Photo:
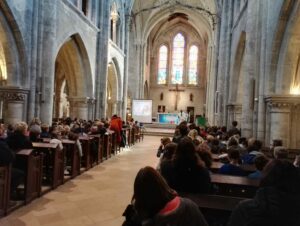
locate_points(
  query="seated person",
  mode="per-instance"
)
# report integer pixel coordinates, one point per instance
(277, 201)
(169, 150)
(34, 133)
(260, 162)
(18, 139)
(157, 204)
(55, 139)
(45, 131)
(280, 152)
(163, 142)
(254, 149)
(7, 157)
(186, 172)
(233, 167)
(204, 153)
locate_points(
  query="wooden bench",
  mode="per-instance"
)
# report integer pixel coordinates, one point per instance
(114, 142)
(107, 145)
(54, 162)
(249, 168)
(31, 162)
(72, 157)
(5, 174)
(97, 158)
(87, 142)
(215, 208)
(234, 185)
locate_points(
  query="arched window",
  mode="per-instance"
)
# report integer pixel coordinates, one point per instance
(193, 60)
(162, 65)
(178, 59)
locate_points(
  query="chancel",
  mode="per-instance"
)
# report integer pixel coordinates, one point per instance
(206, 92)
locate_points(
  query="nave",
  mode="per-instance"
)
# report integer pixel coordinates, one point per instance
(97, 197)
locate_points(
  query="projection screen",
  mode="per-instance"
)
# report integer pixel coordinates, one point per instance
(142, 110)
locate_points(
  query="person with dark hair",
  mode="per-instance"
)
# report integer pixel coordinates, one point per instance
(233, 167)
(277, 201)
(204, 153)
(183, 132)
(186, 172)
(254, 149)
(234, 130)
(260, 162)
(157, 204)
(163, 142)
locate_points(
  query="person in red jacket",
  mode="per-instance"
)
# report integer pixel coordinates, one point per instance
(116, 125)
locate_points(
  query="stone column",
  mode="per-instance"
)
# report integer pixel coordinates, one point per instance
(101, 59)
(91, 108)
(126, 62)
(250, 68)
(48, 60)
(15, 101)
(280, 108)
(114, 17)
(78, 107)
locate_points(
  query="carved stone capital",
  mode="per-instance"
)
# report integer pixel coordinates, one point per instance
(282, 103)
(13, 94)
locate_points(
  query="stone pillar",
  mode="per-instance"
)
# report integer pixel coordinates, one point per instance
(78, 107)
(126, 62)
(102, 60)
(114, 17)
(48, 60)
(280, 109)
(91, 108)
(250, 68)
(16, 101)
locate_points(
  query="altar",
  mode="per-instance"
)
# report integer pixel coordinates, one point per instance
(168, 118)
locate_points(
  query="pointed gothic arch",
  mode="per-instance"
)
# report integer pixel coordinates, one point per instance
(72, 67)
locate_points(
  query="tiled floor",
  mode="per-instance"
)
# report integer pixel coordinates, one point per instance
(96, 198)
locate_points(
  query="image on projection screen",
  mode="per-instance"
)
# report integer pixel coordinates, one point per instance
(142, 110)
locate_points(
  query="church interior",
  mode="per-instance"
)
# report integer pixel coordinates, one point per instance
(90, 90)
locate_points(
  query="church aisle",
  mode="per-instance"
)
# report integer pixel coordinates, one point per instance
(96, 198)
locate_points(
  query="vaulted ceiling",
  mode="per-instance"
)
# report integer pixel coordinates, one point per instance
(201, 14)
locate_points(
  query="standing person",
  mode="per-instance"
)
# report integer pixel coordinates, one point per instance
(234, 130)
(158, 205)
(116, 126)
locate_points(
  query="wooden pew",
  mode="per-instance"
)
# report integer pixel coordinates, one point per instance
(214, 202)
(129, 140)
(215, 167)
(5, 174)
(215, 208)
(86, 142)
(72, 156)
(100, 143)
(114, 143)
(107, 147)
(132, 136)
(53, 158)
(31, 162)
(235, 185)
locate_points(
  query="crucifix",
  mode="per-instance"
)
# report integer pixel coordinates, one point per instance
(177, 90)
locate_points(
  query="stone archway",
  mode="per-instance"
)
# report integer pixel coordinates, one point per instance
(112, 90)
(73, 80)
(283, 102)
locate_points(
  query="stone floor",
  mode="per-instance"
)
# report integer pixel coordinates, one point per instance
(96, 198)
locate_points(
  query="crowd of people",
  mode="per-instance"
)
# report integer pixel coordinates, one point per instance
(14, 138)
(184, 167)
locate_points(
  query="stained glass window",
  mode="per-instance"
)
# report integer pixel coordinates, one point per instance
(178, 59)
(162, 65)
(193, 58)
